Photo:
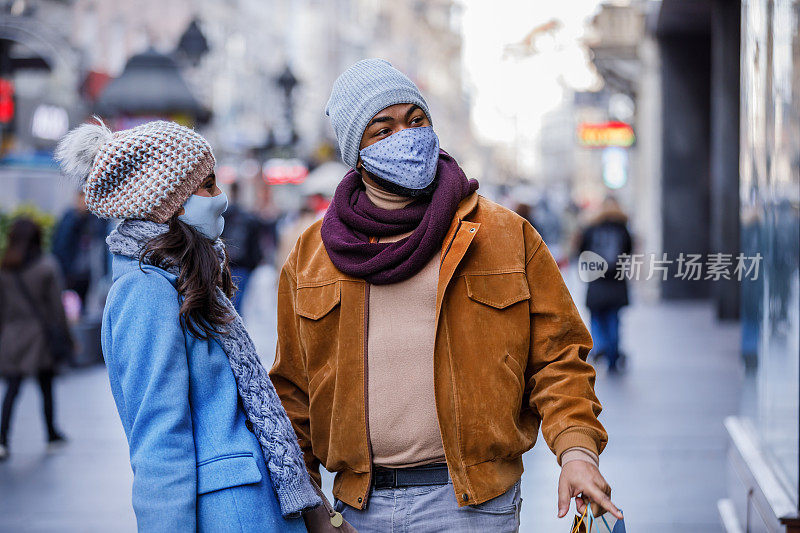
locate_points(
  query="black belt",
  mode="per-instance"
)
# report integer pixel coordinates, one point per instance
(390, 478)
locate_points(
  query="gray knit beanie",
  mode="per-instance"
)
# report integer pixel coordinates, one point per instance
(363, 90)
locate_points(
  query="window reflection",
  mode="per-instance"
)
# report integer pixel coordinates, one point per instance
(770, 214)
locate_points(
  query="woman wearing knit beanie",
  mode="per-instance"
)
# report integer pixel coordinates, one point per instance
(211, 447)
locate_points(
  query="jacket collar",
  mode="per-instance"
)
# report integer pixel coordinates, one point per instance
(121, 265)
(467, 206)
(455, 246)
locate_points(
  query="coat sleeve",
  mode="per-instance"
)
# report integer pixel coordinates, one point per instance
(62, 245)
(148, 361)
(289, 371)
(560, 381)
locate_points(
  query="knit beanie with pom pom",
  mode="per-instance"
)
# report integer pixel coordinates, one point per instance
(147, 172)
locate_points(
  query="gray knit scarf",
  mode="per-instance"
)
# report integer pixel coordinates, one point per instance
(261, 403)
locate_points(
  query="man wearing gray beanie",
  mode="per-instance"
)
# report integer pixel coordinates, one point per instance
(425, 334)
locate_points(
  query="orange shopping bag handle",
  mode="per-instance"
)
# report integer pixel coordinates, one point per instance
(590, 519)
(577, 527)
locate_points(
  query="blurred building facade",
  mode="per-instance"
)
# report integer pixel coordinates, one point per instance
(581, 147)
(263, 69)
(626, 55)
(678, 63)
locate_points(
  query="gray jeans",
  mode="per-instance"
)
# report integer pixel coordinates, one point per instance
(431, 509)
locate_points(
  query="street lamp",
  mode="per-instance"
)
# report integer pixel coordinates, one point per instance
(193, 44)
(287, 82)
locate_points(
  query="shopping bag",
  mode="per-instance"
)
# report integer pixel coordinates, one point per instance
(587, 523)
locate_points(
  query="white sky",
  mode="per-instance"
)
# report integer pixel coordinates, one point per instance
(510, 95)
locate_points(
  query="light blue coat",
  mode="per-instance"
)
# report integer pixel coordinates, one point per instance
(196, 465)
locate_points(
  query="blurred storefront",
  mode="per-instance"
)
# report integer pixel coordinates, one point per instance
(606, 128)
(763, 456)
(38, 75)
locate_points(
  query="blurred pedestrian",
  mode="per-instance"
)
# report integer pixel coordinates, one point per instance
(76, 237)
(548, 224)
(425, 333)
(751, 288)
(268, 215)
(32, 319)
(242, 241)
(523, 209)
(292, 230)
(203, 422)
(607, 236)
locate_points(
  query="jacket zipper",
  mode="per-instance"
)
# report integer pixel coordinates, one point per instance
(450, 243)
(366, 389)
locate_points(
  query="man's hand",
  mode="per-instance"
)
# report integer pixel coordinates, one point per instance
(583, 478)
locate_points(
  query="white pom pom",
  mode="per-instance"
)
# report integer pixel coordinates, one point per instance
(77, 149)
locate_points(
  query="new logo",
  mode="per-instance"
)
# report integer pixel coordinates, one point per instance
(591, 266)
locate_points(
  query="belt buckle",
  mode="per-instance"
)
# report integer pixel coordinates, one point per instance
(385, 478)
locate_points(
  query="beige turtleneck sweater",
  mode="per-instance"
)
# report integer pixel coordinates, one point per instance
(403, 425)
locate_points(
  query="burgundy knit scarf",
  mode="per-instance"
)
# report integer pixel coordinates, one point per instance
(352, 219)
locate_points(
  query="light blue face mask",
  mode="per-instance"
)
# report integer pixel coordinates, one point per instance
(204, 213)
(407, 158)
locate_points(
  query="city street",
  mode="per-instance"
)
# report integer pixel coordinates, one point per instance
(665, 459)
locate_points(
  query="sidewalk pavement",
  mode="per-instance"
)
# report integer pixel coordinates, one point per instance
(665, 459)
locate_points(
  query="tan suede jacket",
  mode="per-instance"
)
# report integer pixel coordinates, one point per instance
(510, 354)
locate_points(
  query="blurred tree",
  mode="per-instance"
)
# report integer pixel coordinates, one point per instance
(45, 220)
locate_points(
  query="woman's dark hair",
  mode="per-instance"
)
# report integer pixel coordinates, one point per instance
(24, 244)
(200, 275)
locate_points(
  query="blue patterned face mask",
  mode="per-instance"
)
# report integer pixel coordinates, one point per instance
(407, 158)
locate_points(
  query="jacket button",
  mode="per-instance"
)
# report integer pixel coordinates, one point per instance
(465, 497)
(249, 426)
(360, 500)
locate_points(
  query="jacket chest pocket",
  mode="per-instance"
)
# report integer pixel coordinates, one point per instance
(318, 308)
(496, 317)
(314, 303)
(498, 291)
